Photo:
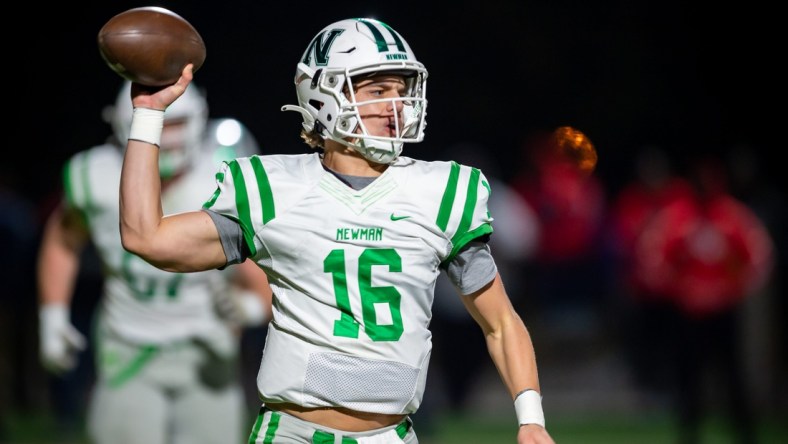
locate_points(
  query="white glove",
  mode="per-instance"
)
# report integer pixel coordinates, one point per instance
(242, 307)
(60, 342)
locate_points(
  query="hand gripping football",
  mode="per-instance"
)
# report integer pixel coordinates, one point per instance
(150, 45)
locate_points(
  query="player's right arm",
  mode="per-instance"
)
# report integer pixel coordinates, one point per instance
(182, 242)
(65, 236)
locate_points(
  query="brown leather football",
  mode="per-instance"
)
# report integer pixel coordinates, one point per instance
(150, 45)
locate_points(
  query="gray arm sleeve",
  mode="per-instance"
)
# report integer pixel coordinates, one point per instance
(231, 237)
(472, 268)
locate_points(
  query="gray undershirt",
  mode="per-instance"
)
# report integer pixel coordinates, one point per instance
(471, 269)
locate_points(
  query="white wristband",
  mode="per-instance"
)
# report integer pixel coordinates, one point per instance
(146, 125)
(528, 406)
(54, 314)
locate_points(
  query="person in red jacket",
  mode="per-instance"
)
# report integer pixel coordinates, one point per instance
(707, 252)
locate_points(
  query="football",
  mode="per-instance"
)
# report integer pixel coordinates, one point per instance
(150, 45)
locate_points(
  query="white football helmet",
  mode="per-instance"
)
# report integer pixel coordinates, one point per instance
(326, 97)
(179, 147)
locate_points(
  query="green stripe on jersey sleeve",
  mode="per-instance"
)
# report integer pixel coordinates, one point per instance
(462, 236)
(264, 187)
(254, 199)
(470, 201)
(448, 197)
(470, 205)
(242, 204)
(460, 241)
(212, 200)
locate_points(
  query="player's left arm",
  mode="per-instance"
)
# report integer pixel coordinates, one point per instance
(512, 352)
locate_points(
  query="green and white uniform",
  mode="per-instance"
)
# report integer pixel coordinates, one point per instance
(165, 359)
(352, 271)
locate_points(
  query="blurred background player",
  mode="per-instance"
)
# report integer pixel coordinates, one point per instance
(707, 252)
(166, 344)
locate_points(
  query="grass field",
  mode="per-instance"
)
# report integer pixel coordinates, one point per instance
(608, 430)
(462, 429)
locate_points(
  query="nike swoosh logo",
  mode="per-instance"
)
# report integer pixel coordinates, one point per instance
(395, 218)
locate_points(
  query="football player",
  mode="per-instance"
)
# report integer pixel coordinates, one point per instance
(352, 237)
(167, 344)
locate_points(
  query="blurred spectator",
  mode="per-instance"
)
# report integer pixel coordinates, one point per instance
(570, 205)
(644, 314)
(707, 252)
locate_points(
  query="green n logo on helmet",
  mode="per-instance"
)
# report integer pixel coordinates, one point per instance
(320, 47)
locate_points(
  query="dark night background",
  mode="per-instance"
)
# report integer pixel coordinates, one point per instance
(680, 75)
(677, 74)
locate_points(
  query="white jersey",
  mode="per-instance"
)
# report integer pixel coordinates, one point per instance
(352, 271)
(141, 303)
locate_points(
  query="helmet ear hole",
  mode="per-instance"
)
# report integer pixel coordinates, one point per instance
(316, 104)
(319, 127)
(316, 78)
